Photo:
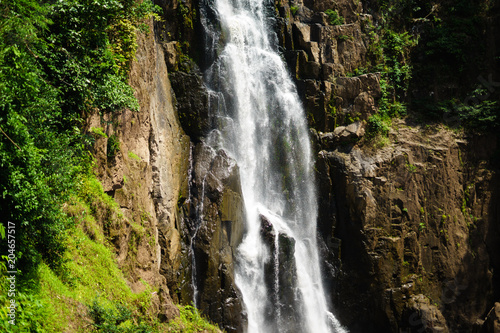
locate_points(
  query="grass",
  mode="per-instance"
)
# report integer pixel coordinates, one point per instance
(89, 292)
(134, 156)
(190, 321)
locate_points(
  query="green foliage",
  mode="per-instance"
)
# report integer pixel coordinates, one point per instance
(389, 53)
(116, 319)
(449, 40)
(188, 15)
(294, 10)
(113, 145)
(334, 17)
(378, 125)
(134, 156)
(402, 13)
(343, 38)
(479, 113)
(58, 60)
(332, 110)
(452, 51)
(30, 312)
(191, 322)
(99, 131)
(411, 168)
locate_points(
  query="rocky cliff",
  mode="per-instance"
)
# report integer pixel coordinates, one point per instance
(182, 198)
(409, 226)
(142, 162)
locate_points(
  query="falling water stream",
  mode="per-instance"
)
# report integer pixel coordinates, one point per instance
(263, 127)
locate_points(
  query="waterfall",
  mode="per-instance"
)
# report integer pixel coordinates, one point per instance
(263, 127)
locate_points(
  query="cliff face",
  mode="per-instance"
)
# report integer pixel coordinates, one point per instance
(418, 224)
(408, 231)
(143, 163)
(183, 197)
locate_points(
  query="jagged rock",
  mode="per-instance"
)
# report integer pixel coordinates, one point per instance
(215, 228)
(331, 71)
(171, 54)
(280, 284)
(351, 87)
(364, 105)
(356, 129)
(168, 311)
(426, 316)
(401, 224)
(302, 34)
(347, 133)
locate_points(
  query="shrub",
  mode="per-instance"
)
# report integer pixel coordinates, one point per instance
(334, 17)
(377, 125)
(479, 113)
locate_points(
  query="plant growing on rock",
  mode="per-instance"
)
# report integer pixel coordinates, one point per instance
(334, 17)
(378, 124)
(422, 226)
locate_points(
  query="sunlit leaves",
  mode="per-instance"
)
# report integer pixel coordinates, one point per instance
(58, 60)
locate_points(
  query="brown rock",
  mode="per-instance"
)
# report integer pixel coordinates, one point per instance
(426, 315)
(492, 322)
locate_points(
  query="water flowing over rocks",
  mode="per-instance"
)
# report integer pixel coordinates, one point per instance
(407, 235)
(280, 273)
(414, 218)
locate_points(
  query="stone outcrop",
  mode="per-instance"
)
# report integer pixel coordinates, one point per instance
(325, 60)
(415, 218)
(213, 224)
(280, 276)
(192, 103)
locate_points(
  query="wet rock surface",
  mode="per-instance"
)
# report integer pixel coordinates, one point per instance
(212, 220)
(280, 277)
(192, 101)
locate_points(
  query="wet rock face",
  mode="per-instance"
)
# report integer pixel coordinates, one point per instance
(281, 276)
(212, 220)
(192, 103)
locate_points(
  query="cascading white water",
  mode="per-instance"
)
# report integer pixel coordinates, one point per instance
(263, 128)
